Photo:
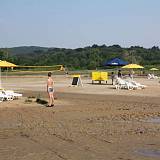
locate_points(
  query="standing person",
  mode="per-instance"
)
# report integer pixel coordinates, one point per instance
(119, 74)
(50, 90)
(112, 77)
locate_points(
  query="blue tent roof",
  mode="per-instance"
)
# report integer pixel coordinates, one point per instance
(115, 62)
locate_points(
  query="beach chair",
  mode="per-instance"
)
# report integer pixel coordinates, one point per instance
(149, 76)
(154, 77)
(136, 84)
(1, 96)
(5, 96)
(10, 94)
(139, 86)
(131, 85)
(124, 84)
(119, 83)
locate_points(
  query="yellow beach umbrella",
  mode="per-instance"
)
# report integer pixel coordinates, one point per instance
(132, 66)
(154, 69)
(5, 64)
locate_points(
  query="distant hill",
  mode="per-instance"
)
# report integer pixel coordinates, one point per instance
(89, 57)
(26, 50)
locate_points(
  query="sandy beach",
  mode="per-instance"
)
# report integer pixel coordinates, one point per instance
(93, 122)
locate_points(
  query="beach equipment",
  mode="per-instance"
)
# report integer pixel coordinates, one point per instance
(5, 64)
(115, 62)
(8, 95)
(128, 84)
(4, 96)
(154, 69)
(54, 67)
(76, 81)
(123, 84)
(1, 96)
(139, 85)
(152, 76)
(133, 66)
(99, 76)
(11, 93)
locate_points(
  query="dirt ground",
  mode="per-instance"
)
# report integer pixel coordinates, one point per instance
(93, 122)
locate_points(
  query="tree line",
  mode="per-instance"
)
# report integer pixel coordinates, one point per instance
(90, 57)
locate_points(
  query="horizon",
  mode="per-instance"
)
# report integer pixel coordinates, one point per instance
(78, 47)
(79, 24)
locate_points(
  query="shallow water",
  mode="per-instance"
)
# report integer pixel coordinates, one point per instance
(149, 153)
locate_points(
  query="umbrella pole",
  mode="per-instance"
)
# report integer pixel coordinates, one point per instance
(6, 73)
(132, 73)
(0, 79)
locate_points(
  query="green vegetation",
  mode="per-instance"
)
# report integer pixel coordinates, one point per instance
(91, 57)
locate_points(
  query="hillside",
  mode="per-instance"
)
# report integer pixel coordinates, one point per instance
(25, 50)
(89, 57)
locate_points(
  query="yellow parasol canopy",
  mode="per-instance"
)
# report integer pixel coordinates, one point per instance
(154, 69)
(132, 66)
(6, 64)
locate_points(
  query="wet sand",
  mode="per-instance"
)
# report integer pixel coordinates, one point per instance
(94, 122)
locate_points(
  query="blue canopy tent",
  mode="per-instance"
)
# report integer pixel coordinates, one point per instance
(115, 62)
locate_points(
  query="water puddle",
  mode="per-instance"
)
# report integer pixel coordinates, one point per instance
(149, 153)
(154, 120)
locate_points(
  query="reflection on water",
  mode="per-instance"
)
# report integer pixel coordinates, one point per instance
(149, 153)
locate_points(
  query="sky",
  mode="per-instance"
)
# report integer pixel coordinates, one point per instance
(79, 23)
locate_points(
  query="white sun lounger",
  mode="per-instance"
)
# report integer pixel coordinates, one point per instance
(140, 86)
(9, 94)
(152, 76)
(1, 96)
(4, 96)
(12, 94)
(123, 84)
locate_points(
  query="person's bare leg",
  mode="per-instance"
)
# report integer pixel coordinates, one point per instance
(52, 97)
(48, 98)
